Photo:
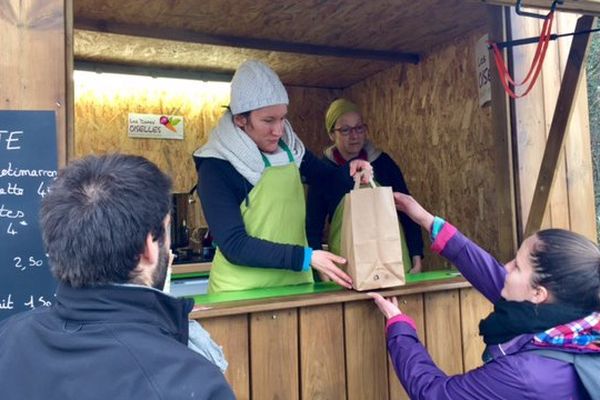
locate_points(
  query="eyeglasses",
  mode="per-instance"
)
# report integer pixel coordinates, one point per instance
(346, 130)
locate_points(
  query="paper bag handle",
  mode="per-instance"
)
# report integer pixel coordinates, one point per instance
(357, 178)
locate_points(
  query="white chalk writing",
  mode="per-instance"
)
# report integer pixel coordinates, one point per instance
(11, 214)
(12, 189)
(40, 302)
(7, 303)
(13, 136)
(31, 262)
(19, 172)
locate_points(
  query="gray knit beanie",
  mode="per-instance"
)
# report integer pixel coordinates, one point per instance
(255, 85)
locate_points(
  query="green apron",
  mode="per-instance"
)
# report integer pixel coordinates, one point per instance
(276, 212)
(335, 236)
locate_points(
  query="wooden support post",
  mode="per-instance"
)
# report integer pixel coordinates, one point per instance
(502, 134)
(34, 59)
(560, 122)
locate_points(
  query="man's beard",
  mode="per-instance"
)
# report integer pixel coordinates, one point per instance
(159, 276)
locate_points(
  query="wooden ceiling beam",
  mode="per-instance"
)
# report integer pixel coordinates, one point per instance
(191, 36)
(155, 72)
(588, 7)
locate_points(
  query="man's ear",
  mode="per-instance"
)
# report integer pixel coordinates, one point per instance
(150, 254)
(240, 121)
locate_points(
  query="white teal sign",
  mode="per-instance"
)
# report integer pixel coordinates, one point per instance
(155, 126)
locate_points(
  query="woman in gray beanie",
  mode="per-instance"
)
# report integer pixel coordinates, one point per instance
(250, 175)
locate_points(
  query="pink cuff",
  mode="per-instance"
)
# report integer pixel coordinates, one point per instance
(443, 237)
(400, 318)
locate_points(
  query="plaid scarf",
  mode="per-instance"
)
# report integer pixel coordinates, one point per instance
(582, 334)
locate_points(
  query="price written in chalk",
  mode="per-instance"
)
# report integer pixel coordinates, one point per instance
(21, 263)
(39, 302)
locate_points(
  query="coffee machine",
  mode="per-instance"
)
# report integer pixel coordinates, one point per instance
(180, 231)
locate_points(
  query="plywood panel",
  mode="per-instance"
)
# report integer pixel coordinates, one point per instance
(366, 365)
(412, 306)
(550, 80)
(274, 355)
(501, 131)
(473, 307)
(101, 115)
(33, 62)
(530, 120)
(428, 118)
(307, 115)
(323, 374)
(379, 24)
(571, 204)
(232, 333)
(102, 105)
(579, 179)
(443, 330)
(294, 69)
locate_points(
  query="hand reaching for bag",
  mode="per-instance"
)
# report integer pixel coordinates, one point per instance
(364, 168)
(325, 263)
(388, 308)
(409, 206)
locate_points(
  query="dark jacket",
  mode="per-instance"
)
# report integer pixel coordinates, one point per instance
(112, 342)
(516, 370)
(322, 202)
(222, 190)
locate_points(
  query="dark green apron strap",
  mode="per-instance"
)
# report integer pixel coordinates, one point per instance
(284, 147)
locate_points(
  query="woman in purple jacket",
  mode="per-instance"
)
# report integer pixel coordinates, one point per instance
(543, 337)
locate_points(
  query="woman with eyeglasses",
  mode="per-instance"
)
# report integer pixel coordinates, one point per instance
(348, 132)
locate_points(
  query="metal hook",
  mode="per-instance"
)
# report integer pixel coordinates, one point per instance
(528, 14)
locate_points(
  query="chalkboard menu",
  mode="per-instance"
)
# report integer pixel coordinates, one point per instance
(28, 164)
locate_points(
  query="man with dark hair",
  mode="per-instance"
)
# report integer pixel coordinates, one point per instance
(112, 333)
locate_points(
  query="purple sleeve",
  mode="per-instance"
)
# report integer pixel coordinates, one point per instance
(482, 270)
(422, 379)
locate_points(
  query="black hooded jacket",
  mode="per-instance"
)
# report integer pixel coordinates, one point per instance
(110, 342)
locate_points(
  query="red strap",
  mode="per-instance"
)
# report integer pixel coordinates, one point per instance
(536, 65)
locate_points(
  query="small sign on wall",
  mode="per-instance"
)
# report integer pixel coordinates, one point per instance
(155, 126)
(482, 63)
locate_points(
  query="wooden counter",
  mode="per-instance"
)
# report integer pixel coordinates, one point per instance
(332, 345)
(191, 267)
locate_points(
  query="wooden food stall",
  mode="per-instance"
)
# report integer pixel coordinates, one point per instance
(410, 66)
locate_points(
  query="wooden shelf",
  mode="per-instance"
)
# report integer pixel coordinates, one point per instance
(191, 267)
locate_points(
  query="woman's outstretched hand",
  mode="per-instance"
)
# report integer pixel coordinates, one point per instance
(388, 308)
(364, 168)
(409, 206)
(325, 262)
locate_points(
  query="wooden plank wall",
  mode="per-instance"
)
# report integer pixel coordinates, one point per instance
(338, 351)
(571, 203)
(428, 118)
(34, 59)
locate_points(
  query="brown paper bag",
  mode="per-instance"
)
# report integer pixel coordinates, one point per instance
(370, 238)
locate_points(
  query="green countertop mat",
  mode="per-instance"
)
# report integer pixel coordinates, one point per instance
(318, 287)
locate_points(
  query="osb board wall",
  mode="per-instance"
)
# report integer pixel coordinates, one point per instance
(428, 118)
(307, 115)
(293, 69)
(101, 116)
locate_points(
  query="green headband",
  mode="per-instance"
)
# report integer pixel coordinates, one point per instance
(336, 109)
